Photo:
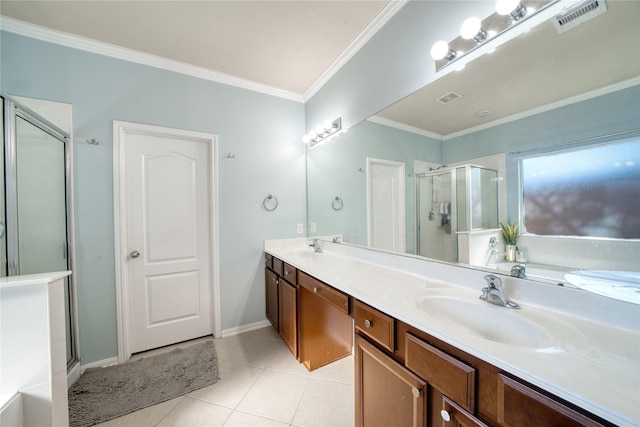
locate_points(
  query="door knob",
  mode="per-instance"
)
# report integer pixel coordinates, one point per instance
(134, 254)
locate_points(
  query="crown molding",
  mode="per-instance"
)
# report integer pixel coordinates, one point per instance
(361, 39)
(548, 107)
(106, 49)
(404, 127)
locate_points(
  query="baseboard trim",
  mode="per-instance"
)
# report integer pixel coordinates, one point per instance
(245, 328)
(73, 374)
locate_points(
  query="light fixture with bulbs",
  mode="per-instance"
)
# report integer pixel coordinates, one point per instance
(475, 32)
(322, 132)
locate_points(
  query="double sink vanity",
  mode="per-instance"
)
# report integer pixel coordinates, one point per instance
(429, 351)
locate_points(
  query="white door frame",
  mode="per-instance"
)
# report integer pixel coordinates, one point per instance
(400, 169)
(120, 130)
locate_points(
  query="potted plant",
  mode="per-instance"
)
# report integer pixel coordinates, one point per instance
(510, 234)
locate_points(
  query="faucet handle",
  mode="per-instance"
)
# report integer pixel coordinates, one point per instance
(493, 281)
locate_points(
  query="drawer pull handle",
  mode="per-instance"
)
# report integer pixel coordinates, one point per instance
(445, 416)
(416, 392)
(368, 324)
(315, 290)
(286, 273)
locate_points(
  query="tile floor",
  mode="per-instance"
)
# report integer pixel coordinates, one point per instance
(261, 384)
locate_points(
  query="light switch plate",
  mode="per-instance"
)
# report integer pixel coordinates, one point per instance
(300, 228)
(312, 228)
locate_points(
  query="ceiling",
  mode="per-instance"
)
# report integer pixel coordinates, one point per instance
(536, 69)
(282, 44)
(288, 45)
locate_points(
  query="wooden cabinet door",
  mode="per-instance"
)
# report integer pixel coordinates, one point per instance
(288, 316)
(455, 416)
(519, 406)
(325, 332)
(387, 394)
(272, 297)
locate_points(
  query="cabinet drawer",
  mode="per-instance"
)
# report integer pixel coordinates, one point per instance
(453, 378)
(519, 405)
(278, 266)
(329, 294)
(289, 273)
(268, 260)
(374, 324)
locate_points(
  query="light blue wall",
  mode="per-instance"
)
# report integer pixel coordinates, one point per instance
(262, 131)
(394, 63)
(338, 168)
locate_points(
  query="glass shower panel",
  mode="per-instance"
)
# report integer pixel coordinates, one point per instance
(42, 211)
(435, 237)
(485, 198)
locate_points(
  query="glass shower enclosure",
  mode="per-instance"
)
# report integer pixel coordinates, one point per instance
(453, 200)
(35, 217)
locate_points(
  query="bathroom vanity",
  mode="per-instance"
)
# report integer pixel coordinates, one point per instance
(428, 351)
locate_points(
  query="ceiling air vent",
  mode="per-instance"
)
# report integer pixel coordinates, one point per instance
(449, 97)
(578, 14)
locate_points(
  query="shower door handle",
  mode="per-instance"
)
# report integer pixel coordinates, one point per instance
(134, 254)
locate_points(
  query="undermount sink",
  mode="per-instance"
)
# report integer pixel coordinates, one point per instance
(521, 328)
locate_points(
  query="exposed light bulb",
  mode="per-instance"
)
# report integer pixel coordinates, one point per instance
(306, 139)
(312, 134)
(439, 50)
(319, 130)
(511, 7)
(505, 7)
(327, 124)
(470, 28)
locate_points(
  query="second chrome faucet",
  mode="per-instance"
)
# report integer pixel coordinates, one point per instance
(494, 293)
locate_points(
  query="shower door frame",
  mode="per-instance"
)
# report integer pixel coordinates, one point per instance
(12, 111)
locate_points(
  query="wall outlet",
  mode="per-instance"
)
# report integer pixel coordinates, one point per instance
(312, 228)
(300, 228)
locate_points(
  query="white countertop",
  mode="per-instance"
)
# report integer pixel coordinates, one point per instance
(32, 279)
(597, 369)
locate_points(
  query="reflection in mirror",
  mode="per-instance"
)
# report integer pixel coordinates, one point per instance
(541, 92)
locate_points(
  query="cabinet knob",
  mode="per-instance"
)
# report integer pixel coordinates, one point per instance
(315, 290)
(368, 324)
(416, 392)
(286, 273)
(445, 416)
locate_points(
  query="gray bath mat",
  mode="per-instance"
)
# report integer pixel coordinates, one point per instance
(102, 394)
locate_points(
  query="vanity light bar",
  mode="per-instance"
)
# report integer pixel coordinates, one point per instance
(475, 32)
(323, 131)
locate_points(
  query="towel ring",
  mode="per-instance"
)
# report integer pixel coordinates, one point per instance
(267, 199)
(337, 204)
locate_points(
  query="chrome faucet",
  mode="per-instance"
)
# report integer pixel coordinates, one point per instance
(494, 293)
(518, 271)
(316, 246)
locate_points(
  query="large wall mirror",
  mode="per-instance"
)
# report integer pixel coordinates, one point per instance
(451, 153)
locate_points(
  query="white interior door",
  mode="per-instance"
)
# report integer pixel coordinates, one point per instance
(167, 246)
(386, 204)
